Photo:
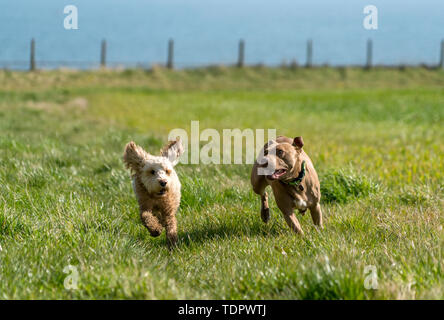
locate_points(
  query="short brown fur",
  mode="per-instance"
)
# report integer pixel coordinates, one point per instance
(286, 155)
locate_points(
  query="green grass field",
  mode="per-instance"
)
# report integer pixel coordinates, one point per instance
(376, 138)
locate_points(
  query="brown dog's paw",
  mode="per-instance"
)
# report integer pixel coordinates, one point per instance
(265, 215)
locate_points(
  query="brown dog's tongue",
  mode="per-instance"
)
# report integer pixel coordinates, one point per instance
(278, 173)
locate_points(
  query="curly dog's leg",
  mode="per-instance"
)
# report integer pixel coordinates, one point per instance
(171, 230)
(151, 223)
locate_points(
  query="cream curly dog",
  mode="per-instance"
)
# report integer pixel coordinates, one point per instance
(156, 186)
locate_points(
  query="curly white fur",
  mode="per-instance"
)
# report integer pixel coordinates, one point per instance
(157, 186)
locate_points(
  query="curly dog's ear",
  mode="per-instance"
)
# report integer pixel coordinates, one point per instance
(134, 156)
(173, 150)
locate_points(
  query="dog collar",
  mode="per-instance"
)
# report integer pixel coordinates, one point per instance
(297, 181)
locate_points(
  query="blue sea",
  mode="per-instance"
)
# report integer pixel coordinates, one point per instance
(208, 31)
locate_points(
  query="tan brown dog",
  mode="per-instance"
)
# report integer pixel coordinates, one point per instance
(293, 179)
(156, 186)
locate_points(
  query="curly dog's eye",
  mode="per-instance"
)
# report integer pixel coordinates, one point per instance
(279, 153)
(153, 172)
(168, 172)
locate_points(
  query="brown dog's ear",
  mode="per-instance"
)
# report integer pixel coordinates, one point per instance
(298, 142)
(173, 150)
(134, 156)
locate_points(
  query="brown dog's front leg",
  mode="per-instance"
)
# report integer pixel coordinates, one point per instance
(286, 205)
(151, 223)
(265, 210)
(316, 215)
(293, 223)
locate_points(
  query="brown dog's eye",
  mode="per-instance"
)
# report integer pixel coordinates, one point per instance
(153, 172)
(279, 153)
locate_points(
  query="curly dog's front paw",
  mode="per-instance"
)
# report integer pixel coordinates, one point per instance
(155, 233)
(151, 223)
(172, 240)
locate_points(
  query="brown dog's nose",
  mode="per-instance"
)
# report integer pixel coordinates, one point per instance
(163, 183)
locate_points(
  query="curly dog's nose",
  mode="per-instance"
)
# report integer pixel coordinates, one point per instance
(163, 183)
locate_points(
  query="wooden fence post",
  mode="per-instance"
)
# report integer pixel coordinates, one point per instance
(441, 63)
(369, 63)
(170, 61)
(103, 54)
(32, 62)
(241, 54)
(309, 53)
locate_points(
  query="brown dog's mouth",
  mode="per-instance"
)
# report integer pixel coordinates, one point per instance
(161, 192)
(277, 174)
